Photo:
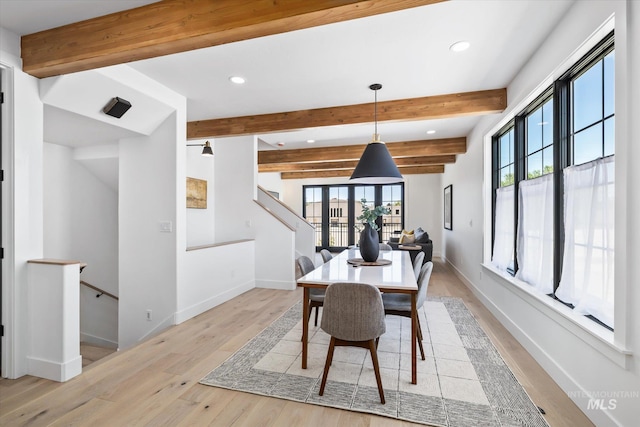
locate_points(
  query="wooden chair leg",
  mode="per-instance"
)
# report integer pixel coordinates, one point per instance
(420, 340)
(332, 344)
(376, 368)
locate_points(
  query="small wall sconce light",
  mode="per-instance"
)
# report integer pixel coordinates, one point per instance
(206, 151)
(116, 107)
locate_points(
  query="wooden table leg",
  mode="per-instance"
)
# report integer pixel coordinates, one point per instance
(305, 325)
(414, 337)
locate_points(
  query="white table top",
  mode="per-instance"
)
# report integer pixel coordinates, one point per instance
(397, 276)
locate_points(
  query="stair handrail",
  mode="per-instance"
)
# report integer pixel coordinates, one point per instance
(97, 289)
(284, 205)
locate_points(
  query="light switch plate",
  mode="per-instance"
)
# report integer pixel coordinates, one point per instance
(166, 226)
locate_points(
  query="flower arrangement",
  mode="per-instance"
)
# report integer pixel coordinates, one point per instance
(369, 216)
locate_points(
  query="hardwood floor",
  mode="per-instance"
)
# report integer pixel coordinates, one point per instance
(91, 353)
(156, 382)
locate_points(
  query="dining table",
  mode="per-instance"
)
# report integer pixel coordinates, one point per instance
(391, 273)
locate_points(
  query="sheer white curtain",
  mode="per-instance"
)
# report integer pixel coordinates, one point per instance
(535, 233)
(504, 228)
(587, 279)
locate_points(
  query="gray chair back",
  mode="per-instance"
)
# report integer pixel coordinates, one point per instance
(417, 263)
(385, 247)
(353, 312)
(305, 265)
(326, 255)
(423, 283)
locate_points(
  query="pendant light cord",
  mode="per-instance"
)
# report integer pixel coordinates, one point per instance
(375, 110)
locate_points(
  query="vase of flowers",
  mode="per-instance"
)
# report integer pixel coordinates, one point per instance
(369, 242)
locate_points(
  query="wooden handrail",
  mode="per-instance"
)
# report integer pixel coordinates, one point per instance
(287, 207)
(95, 288)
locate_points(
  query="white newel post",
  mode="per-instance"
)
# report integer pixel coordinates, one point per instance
(54, 319)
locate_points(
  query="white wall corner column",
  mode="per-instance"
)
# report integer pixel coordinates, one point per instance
(54, 319)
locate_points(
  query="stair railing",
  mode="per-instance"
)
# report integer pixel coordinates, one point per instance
(97, 289)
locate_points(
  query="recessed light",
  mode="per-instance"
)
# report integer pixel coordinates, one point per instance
(459, 46)
(431, 132)
(237, 80)
(311, 141)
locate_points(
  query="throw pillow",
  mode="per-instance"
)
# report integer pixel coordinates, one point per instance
(407, 237)
(421, 235)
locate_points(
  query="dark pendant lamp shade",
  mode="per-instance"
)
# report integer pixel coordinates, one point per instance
(376, 166)
(206, 150)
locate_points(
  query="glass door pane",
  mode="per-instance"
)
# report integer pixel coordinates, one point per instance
(392, 198)
(313, 210)
(338, 217)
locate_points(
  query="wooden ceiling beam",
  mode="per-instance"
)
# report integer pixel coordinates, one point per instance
(173, 26)
(431, 147)
(351, 164)
(425, 108)
(408, 170)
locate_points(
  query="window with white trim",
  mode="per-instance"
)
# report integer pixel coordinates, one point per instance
(553, 189)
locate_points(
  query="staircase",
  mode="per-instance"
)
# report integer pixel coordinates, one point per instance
(92, 353)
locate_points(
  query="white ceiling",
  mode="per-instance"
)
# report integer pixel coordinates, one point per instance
(407, 52)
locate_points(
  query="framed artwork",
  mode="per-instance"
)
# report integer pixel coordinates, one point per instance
(448, 201)
(196, 193)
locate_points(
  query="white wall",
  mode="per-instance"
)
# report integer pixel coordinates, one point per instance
(81, 223)
(201, 222)
(148, 263)
(423, 199)
(214, 275)
(271, 181)
(305, 233)
(581, 358)
(22, 216)
(235, 185)
(238, 216)
(275, 251)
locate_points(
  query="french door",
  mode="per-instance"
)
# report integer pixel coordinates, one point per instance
(333, 210)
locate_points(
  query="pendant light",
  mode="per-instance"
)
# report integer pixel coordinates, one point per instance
(376, 166)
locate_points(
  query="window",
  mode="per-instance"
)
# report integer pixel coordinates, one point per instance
(539, 140)
(333, 209)
(553, 185)
(504, 200)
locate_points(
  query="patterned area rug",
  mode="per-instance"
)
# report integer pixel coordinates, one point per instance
(462, 382)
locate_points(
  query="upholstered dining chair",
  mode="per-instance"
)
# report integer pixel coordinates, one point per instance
(385, 247)
(316, 296)
(417, 264)
(326, 255)
(400, 304)
(353, 315)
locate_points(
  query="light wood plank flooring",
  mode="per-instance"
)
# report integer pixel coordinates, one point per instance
(156, 382)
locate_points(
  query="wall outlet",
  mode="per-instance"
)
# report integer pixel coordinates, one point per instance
(149, 316)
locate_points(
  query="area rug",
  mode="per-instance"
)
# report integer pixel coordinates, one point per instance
(463, 381)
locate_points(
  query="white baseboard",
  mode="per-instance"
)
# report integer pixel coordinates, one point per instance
(555, 371)
(97, 341)
(55, 371)
(211, 302)
(276, 284)
(164, 324)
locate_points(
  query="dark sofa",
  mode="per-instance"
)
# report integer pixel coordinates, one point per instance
(421, 239)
